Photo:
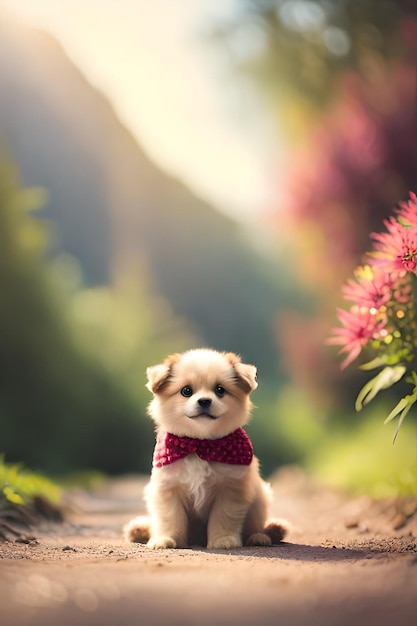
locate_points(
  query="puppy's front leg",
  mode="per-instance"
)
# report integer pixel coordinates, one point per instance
(169, 520)
(224, 530)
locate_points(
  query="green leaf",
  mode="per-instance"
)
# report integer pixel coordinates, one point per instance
(402, 417)
(403, 407)
(377, 362)
(397, 409)
(12, 496)
(385, 379)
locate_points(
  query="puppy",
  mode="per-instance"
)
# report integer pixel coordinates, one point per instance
(205, 488)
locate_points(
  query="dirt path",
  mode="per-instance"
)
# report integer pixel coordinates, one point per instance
(344, 562)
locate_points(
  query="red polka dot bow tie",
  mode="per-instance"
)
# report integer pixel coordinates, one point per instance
(235, 449)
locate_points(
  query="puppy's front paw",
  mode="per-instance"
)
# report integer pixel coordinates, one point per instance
(225, 543)
(161, 543)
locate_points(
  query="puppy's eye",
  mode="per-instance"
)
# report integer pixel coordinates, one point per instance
(187, 391)
(219, 391)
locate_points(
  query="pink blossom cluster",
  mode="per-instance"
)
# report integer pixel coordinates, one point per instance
(381, 291)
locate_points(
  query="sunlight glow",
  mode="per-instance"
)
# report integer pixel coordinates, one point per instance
(147, 58)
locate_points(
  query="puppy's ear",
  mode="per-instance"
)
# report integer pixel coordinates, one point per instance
(245, 373)
(158, 375)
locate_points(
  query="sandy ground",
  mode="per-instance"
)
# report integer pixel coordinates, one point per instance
(345, 561)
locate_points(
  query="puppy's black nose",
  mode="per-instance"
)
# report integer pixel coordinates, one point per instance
(204, 403)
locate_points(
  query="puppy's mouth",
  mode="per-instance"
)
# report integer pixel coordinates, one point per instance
(203, 414)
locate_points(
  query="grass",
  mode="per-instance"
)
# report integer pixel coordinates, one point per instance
(18, 486)
(363, 459)
(354, 452)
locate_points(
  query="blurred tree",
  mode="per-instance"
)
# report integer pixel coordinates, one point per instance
(296, 51)
(339, 80)
(72, 392)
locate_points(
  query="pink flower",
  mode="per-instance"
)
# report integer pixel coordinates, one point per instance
(372, 287)
(396, 250)
(359, 326)
(407, 212)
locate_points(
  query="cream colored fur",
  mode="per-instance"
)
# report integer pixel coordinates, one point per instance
(192, 501)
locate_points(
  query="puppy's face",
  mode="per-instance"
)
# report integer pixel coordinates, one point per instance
(201, 393)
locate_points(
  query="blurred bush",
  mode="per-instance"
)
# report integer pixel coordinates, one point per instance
(338, 81)
(72, 361)
(18, 485)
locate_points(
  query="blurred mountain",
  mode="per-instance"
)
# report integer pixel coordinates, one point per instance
(113, 209)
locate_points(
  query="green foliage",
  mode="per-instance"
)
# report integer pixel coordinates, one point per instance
(301, 49)
(18, 485)
(362, 459)
(72, 364)
(127, 330)
(347, 451)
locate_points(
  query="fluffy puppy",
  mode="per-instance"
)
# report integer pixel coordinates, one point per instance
(205, 488)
